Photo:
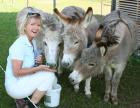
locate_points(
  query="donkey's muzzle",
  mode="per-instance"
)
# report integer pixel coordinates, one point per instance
(71, 81)
(53, 66)
(65, 64)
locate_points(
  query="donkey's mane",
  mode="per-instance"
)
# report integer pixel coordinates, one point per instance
(110, 21)
(73, 31)
(51, 22)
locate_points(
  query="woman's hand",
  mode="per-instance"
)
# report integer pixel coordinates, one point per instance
(39, 59)
(46, 68)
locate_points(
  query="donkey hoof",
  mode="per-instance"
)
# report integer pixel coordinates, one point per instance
(88, 96)
(114, 100)
(60, 73)
(76, 90)
(106, 98)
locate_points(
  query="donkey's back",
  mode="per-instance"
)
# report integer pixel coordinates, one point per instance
(73, 12)
(120, 26)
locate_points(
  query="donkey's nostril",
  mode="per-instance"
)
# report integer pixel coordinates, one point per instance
(71, 81)
(54, 65)
(65, 64)
(51, 65)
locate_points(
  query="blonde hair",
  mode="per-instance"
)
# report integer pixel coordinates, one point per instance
(22, 18)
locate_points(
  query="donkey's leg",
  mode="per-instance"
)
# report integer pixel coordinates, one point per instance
(115, 82)
(59, 68)
(108, 77)
(87, 87)
(76, 87)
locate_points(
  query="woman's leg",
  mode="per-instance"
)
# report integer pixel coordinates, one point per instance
(37, 95)
(40, 92)
(35, 84)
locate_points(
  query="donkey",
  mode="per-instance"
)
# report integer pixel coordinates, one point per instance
(72, 12)
(52, 39)
(115, 41)
(77, 35)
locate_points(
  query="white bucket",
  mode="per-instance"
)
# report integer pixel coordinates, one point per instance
(52, 98)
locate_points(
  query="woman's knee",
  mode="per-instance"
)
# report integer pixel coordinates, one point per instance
(49, 77)
(52, 77)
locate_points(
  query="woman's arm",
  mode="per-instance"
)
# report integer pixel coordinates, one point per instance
(19, 71)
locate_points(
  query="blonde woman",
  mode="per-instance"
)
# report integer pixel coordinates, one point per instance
(22, 78)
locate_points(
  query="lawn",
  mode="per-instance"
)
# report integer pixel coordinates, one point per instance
(129, 88)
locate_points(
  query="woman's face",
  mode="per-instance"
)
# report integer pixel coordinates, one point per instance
(32, 27)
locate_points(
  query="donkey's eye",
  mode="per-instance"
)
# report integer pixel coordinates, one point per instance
(76, 42)
(92, 64)
(45, 43)
(59, 44)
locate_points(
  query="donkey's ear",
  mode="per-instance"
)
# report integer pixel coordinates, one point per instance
(103, 51)
(88, 17)
(60, 17)
(99, 33)
(103, 48)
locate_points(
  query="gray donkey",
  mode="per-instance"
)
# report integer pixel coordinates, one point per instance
(115, 41)
(78, 34)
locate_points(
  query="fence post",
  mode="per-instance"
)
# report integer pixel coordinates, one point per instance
(54, 4)
(113, 5)
(101, 7)
(27, 3)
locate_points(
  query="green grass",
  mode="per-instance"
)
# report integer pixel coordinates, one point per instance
(128, 92)
(7, 35)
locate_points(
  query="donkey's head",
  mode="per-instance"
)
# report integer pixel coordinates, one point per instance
(74, 35)
(52, 38)
(88, 64)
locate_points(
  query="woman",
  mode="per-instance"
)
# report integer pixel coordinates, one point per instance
(22, 78)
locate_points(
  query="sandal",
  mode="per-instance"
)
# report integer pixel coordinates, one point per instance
(30, 104)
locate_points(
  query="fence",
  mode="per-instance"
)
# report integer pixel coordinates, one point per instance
(132, 8)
